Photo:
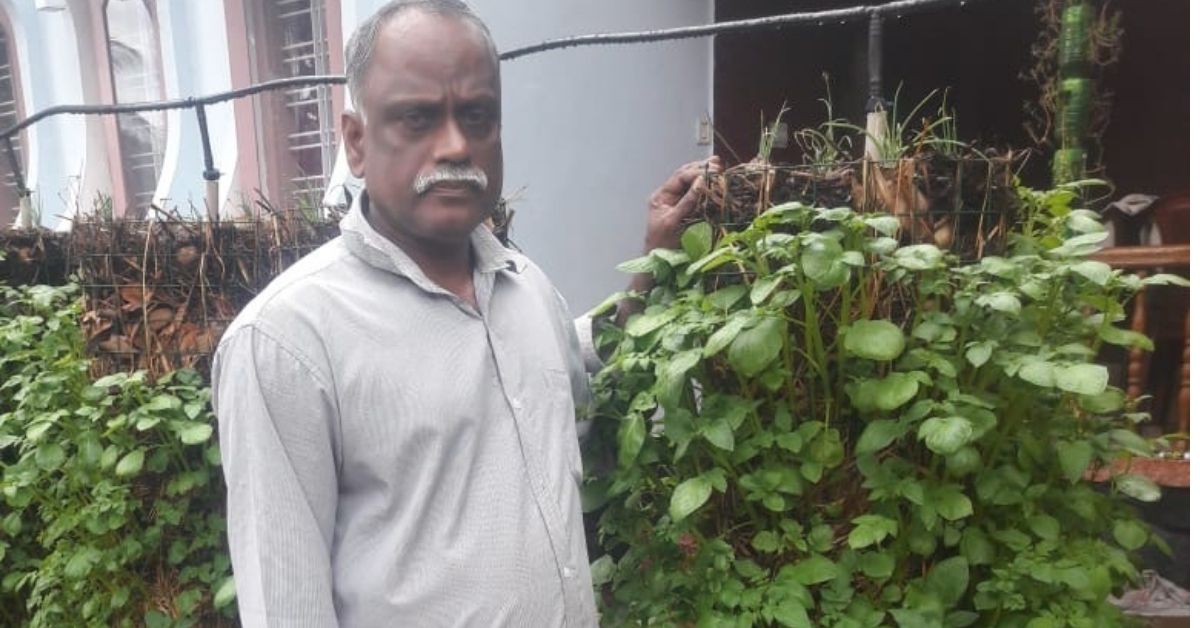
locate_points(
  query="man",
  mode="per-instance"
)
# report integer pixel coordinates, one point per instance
(397, 409)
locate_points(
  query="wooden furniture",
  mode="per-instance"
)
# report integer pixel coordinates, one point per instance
(1142, 260)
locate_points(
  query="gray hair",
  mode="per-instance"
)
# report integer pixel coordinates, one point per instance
(362, 42)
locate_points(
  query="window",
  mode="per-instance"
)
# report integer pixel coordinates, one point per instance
(136, 72)
(296, 136)
(10, 112)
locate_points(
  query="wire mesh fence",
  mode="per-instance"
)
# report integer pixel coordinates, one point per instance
(159, 294)
(965, 205)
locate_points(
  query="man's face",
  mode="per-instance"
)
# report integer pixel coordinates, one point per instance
(431, 99)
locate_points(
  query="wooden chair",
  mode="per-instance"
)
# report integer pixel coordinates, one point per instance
(1170, 215)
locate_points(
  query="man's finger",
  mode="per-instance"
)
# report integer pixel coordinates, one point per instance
(689, 200)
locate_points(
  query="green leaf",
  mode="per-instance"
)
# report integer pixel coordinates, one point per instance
(1006, 302)
(853, 258)
(1084, 379)
(725, 335)
(90, 449)
(671, 256)
(1107, 402)
(877, 340)
(949, 579)
(757, 347)
(644, 323)
(147, 422)
(961, 619)
(673, 375)
(964, 461)
(766, 541)
(162, 402)
(763, 286)
(822, 262)
(81, 562)
(1096, 272)
(945, 435)
(156, 619)
(881, 246)
(1131, 442)
(225, 593)
(918, 256)
(885, 394)
(697, 240)
(1074, 457)
(193, 409)
(194, 433)
(600, 310)
(1081, 245)
(1130, 534)
(871, 530)
(1038, 372)
(812, 570)
(630, 436)
(887, 225)
(715, 259)
(689, 496)
(978, 353)
(792, 614)
(878, 565)
(38, 429)
(1139, 488)
(1125, 338)
(1045, 526)
(877, 435)
(50, 456)
(131, 463)
(1084, 221)
(976, 547)
(1166, 279)
(727, 297)
(719, 434)
(950, 503)
(643, 264)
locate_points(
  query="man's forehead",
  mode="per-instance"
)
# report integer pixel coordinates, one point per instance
(414, 31)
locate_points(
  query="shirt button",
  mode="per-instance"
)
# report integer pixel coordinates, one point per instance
(516, 403)
(568, 572)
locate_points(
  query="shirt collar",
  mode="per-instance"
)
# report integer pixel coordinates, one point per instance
(373, 248)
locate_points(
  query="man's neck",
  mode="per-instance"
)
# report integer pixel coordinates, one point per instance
(447, 264)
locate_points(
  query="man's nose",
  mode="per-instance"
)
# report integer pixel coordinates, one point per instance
(451, 143)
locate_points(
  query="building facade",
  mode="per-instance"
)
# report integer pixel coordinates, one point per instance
(588, 132)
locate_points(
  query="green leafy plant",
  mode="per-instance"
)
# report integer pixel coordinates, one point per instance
(813, 425)
(111, 512)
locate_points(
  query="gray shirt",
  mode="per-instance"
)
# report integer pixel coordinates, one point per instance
(395, 457)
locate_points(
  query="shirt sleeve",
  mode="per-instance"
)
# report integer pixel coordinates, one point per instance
(278, 427)
(587, 346)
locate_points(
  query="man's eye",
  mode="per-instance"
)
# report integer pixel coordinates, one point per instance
(416, 119)
(476, 116)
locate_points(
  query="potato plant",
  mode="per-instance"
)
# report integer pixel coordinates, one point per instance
(110, 490)
(815, 425)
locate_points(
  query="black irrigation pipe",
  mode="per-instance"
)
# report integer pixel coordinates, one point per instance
(198, 103)
(895, 8)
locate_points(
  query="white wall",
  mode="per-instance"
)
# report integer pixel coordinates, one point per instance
(590, 132)
(195, 63)
(50, 75)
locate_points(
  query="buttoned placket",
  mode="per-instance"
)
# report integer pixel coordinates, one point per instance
(511, 383)
(509, 374)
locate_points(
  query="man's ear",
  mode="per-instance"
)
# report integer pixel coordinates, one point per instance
(355, 137)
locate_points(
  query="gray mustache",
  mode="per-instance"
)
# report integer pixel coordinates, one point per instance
(468, 175)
